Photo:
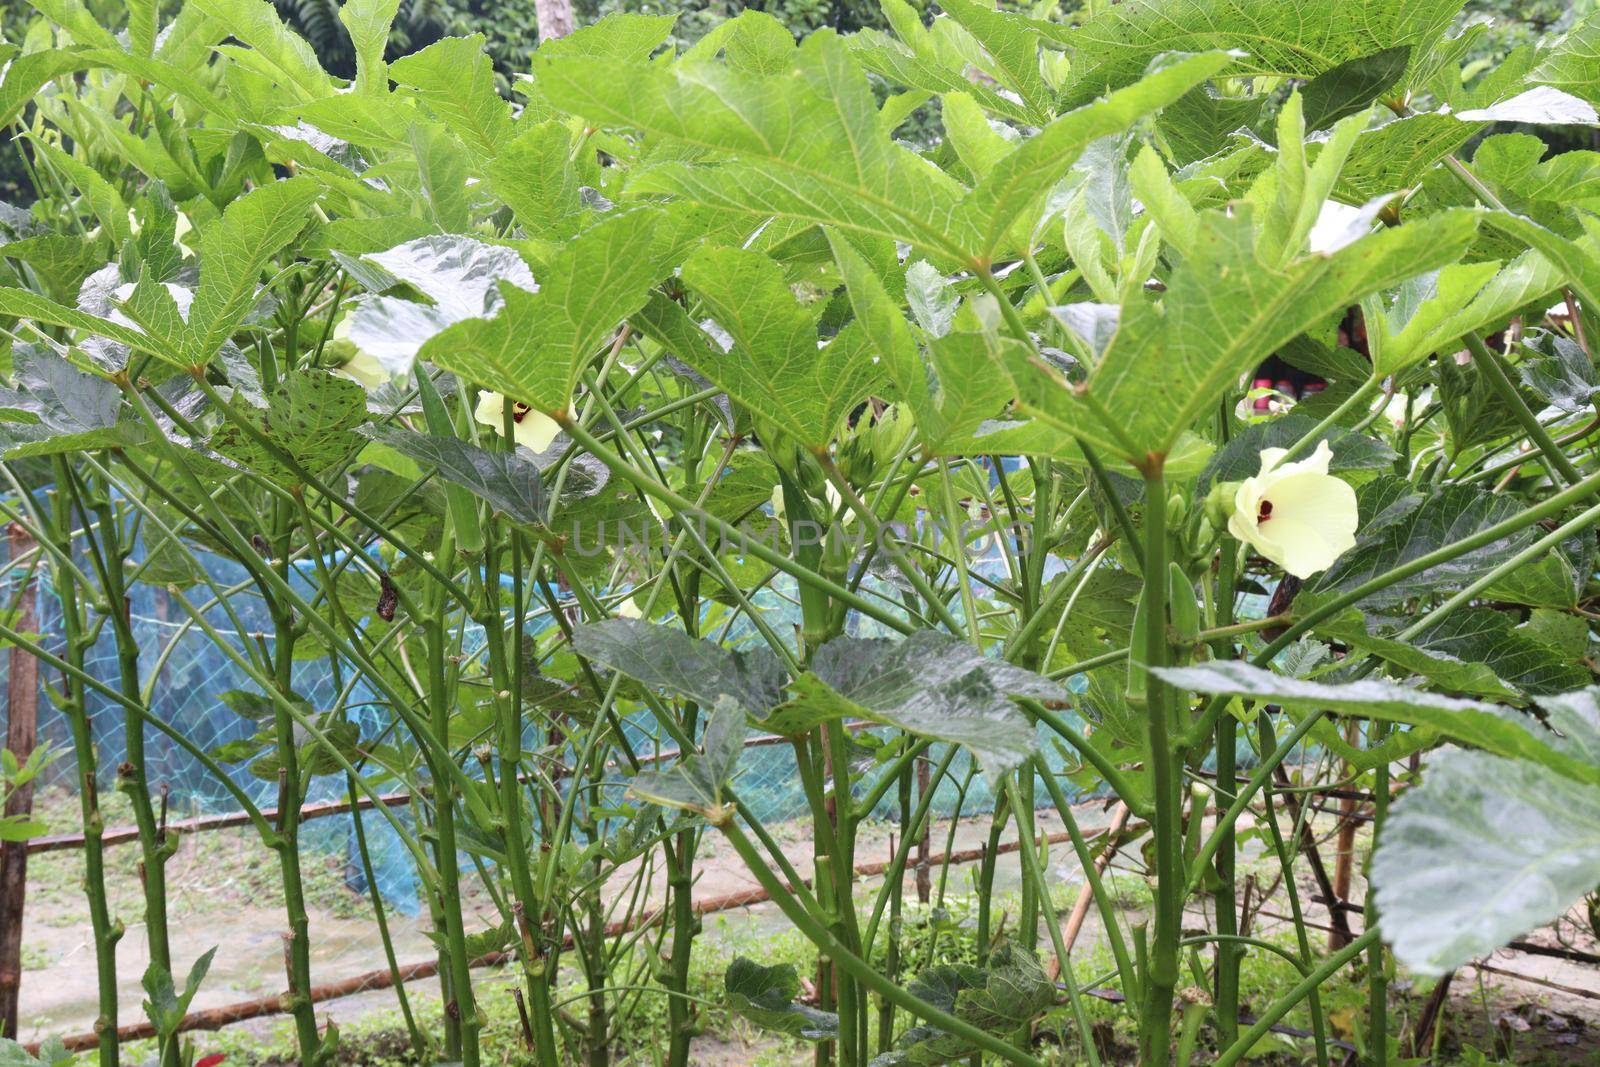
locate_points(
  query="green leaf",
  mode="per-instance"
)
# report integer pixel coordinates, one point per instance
(1441, 518)
(64, 399)
(775, 366)
(1000, 998)
(442, 167)
(807, 142)
(1484, 850)
(100, 195)
(535, 177)
(931, 685)
(1576, 260)
(665, 657)
(1572, 62)
(309, 418)
(1298, 41)
(368, 22)
(766, 997)
(1559, 371)
(275, 51)
(52, 1053)
(1352, 85)
(1400, 152)
(1482, 635)
(1224, 311)
(509, 481)
(1502, 731)
(1445, 670)
(535, 346)
(694, 783)
(1016, 187)
(622, 35)
(1431, 313)
(235, 250)
(1012, 43)
(454, 78)
(1202, 122)
(25, 304)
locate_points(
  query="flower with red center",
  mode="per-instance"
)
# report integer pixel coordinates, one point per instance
(1296, 514)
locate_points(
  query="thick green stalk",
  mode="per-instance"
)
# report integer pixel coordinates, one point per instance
(1377, 976)
(110, 553)
(461, 1013)
(290, 796)
(419, 1044)
(106, 931)
(1229, 954)
(537, 969)
(1033, 873)
(1104, 901)
(1155, 1024)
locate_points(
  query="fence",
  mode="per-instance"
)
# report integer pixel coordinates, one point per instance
(222, 881)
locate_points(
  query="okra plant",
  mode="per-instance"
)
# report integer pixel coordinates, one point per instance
(684, 398)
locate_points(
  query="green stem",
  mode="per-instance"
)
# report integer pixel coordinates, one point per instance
(1226, 907)
(687, 511)
(1155, 1025)
(1492, 367)
(106, 931)
(1269, 1018)
(859, 968)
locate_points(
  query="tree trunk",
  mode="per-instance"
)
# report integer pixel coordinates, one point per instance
(555, 18)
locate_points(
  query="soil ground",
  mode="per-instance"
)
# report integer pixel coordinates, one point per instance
(223, 892)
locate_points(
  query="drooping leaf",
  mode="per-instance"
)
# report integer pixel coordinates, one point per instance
(1447, 671)
(695, 781)
(1493, 728)
(1558, 370)
(307, 426)
(509, 481)
(767, 997)
(1483, 635)
(1352, 85)
(929, 684)
(1485, 849)
(666, 657)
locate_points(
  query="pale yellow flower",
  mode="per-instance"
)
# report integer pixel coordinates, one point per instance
(532, 429)
(362, 367)
(1296, 514)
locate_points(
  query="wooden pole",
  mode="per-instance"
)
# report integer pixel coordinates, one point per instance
(1080, 910)
(22, 733)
